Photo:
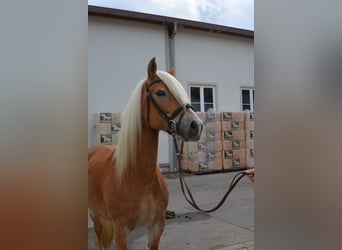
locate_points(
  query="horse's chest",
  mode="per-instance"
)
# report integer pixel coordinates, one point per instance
(145, 212)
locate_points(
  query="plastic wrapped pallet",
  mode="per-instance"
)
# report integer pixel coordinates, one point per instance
(250, 135)
(107, 128)
(206, 154)
(234, 154)
(227, 142)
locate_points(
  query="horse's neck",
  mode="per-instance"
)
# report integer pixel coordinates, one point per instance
(147, 152)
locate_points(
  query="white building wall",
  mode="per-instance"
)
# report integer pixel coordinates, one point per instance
(211, 58)
(118, 54)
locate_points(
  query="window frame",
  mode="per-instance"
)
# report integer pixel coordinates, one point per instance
(251, 98)
(201, 86)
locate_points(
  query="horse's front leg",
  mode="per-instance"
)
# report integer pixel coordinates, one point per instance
(155, 232)
(120, 236)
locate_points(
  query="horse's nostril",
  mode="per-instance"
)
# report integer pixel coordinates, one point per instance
(195, 126)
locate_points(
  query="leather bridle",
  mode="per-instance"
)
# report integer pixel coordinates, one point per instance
(171, 122)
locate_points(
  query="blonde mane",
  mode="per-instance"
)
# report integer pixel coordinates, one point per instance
(125, 153)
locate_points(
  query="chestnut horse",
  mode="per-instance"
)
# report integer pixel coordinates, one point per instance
(126, 189)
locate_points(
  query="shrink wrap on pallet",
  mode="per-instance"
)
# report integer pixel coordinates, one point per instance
(107, 128)
(206, 154)
(250, 135)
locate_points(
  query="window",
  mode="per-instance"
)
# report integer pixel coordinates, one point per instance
(247, 99)
(202, 98)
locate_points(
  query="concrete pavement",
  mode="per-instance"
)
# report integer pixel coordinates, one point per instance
(229, 228)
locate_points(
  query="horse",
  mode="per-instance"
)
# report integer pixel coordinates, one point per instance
(126, 189)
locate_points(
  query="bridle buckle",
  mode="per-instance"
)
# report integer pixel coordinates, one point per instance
(172, 126)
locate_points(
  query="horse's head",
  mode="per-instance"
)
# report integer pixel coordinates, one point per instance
(165, 105)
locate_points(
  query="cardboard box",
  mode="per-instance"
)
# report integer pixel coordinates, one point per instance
(227, 164)
(227, 145)
(250, 144)
(212, 155)
(193, 166)
(238, 116)
(214, 146)
(237, 144)
(237, 125)
(103, 117)
(227, 154)
(213, 135)
(105, 139)
(251, 162)
(226, 116)
(185, 164)
(115, 139)
(250, 125)
(240, 153)
(203, 136)
(202, 156)
(202, 146)
(115, 128)
(202, 116)
(102, 128)
(230, 135)
(116, 117)
(213, 116)
(213, 126)
(226, 125)
(193, 157)
(215, 164)
(236, 162)
(191, 146)
(204, 165)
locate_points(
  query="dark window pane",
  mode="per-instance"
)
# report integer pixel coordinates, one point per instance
(245, 96)
(208, 95)
(196, 107)
(245, 107)
(195, 94)
(208, 106)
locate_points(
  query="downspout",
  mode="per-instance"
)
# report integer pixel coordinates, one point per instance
(170, 62)
(172, 30)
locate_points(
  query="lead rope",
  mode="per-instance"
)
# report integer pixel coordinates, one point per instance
(183, 183)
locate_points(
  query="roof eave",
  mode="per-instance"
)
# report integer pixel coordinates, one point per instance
(164, 20)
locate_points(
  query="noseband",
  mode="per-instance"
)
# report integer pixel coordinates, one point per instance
(171, 123)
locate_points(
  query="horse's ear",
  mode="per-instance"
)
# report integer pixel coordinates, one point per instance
(172, 71)
(152, 68)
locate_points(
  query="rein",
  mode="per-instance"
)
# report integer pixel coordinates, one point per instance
(183, 183)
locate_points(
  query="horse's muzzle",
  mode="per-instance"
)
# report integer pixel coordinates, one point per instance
(190, 130)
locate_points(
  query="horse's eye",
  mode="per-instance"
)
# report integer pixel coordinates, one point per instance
(160, 93)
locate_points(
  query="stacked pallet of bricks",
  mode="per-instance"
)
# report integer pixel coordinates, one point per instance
(226, 143)
(206, 154)
(107, 128)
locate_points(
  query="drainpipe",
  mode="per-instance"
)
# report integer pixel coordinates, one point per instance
(172, 30)
(170, 62)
